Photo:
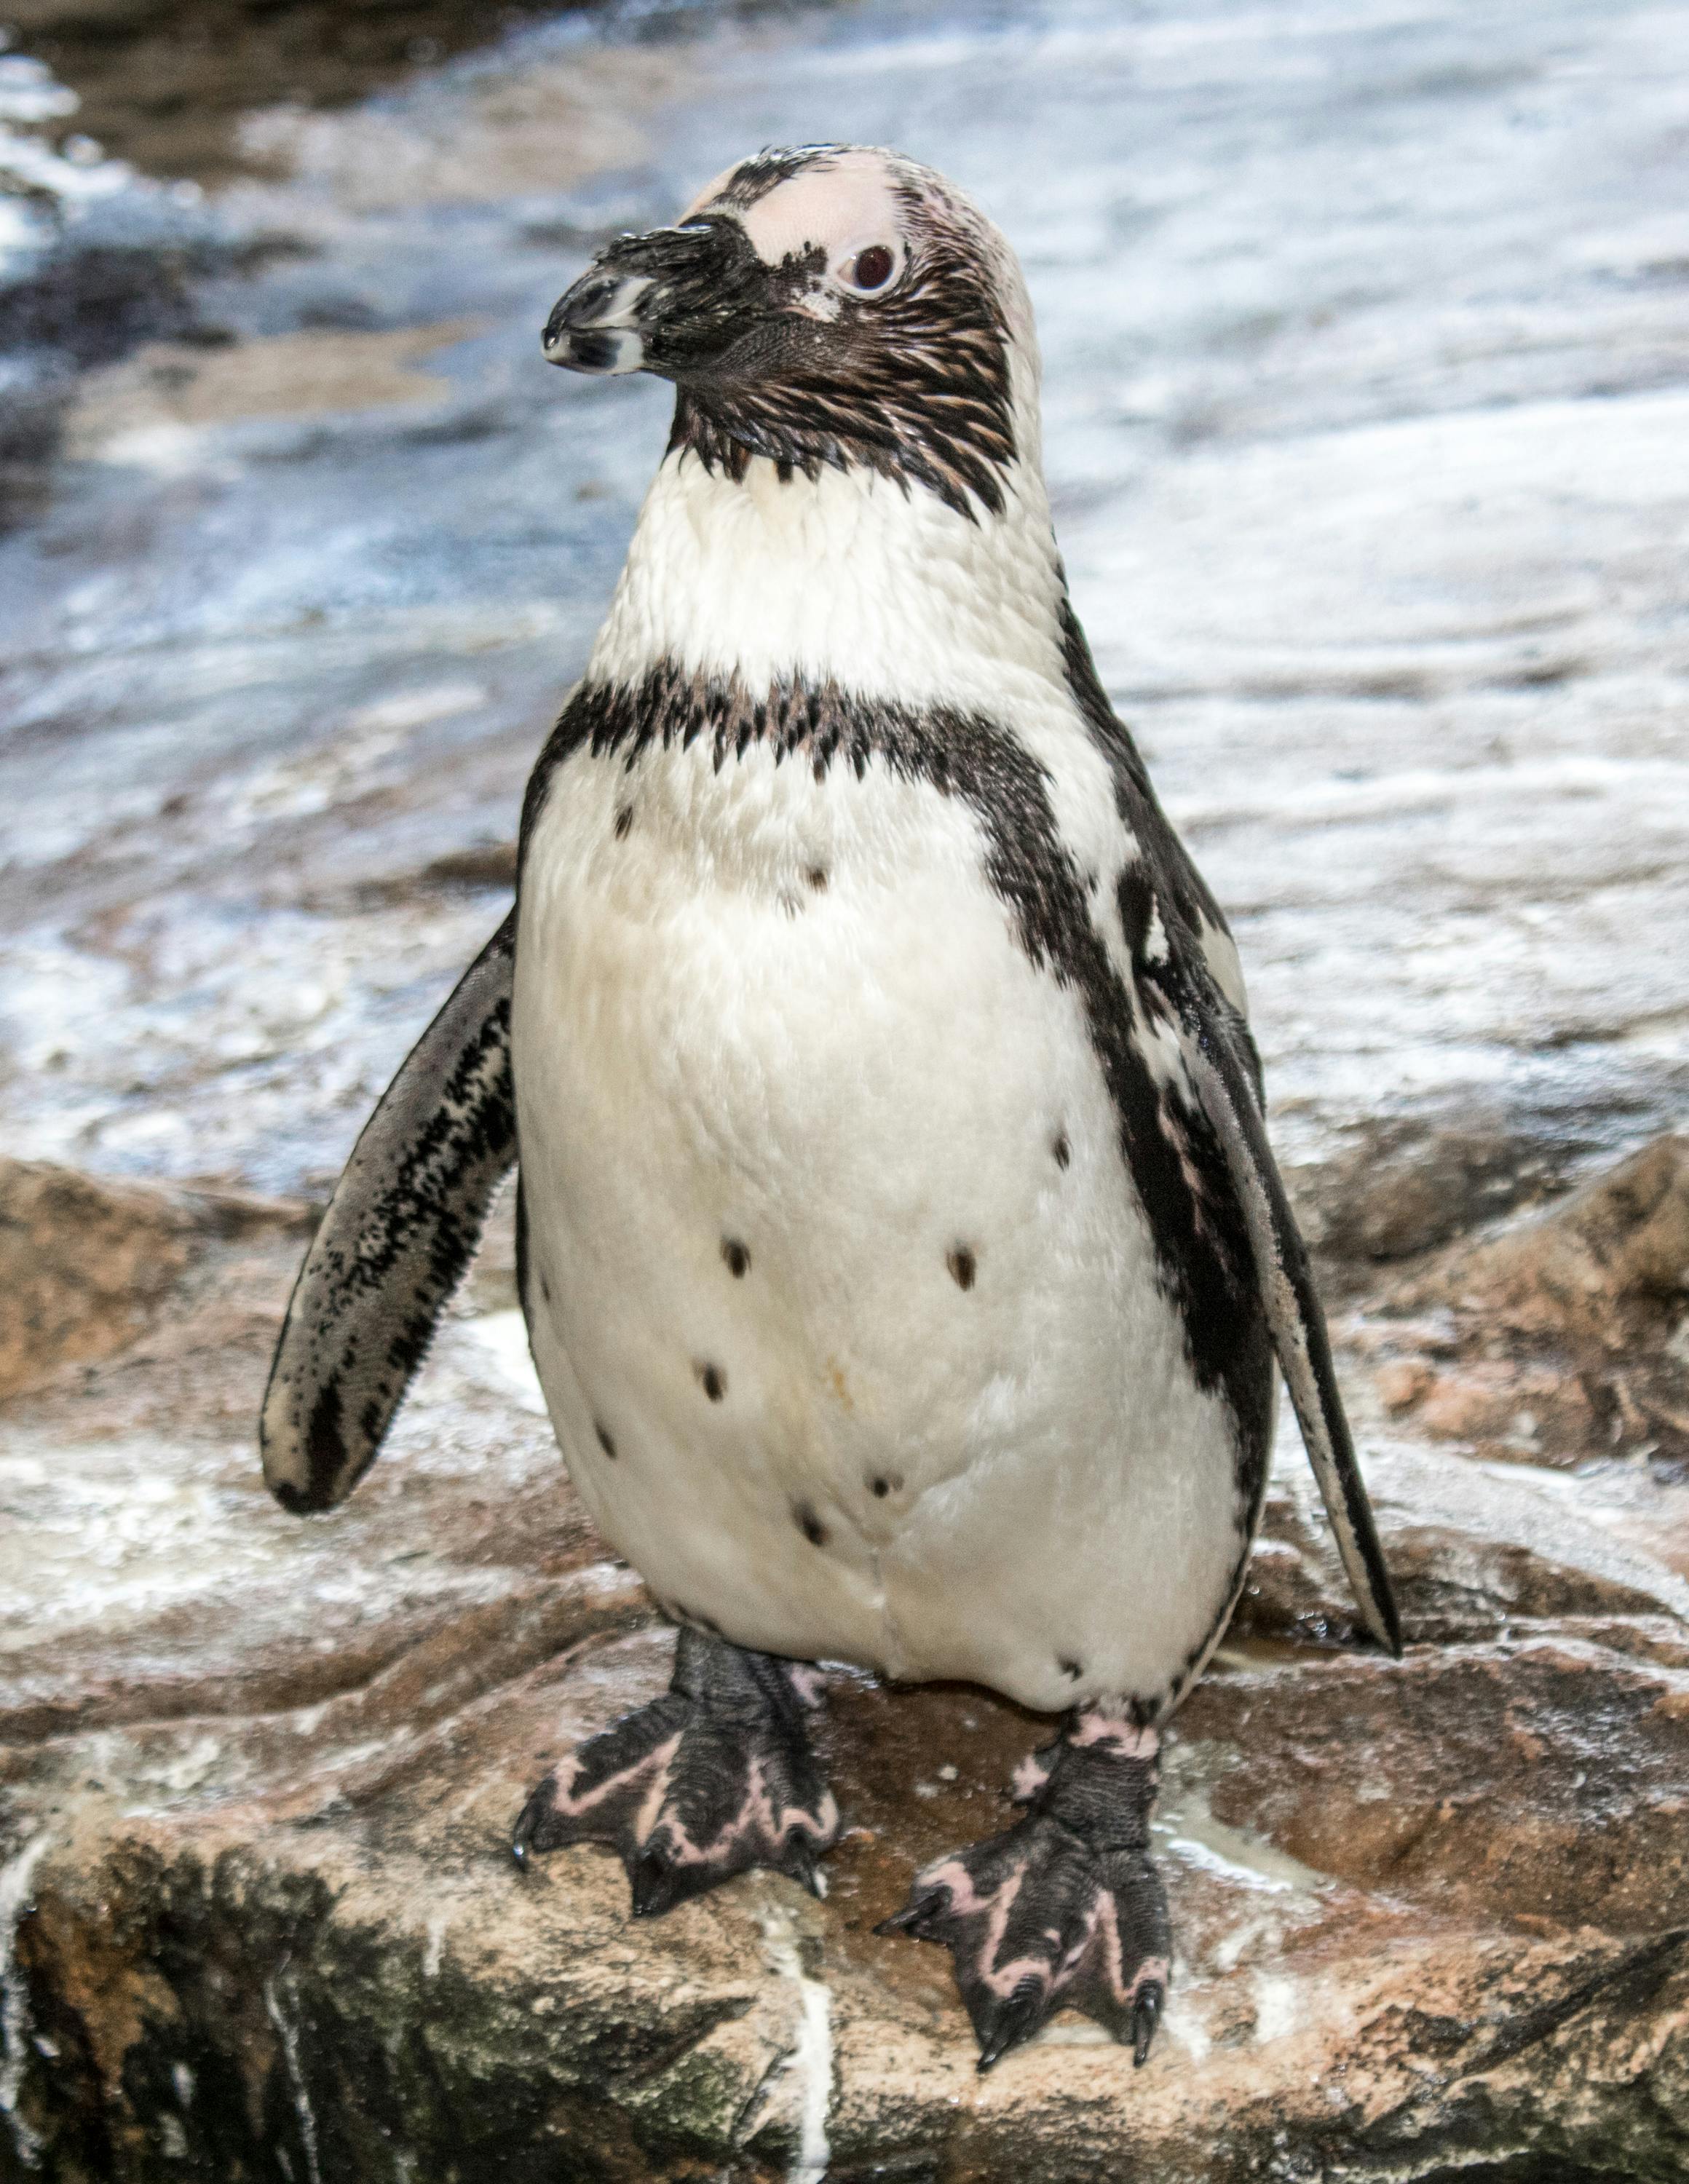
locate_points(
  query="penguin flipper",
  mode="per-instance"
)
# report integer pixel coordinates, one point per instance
(1213, 1052)
(400, 1230)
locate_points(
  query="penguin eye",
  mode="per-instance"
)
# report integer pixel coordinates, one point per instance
(869, 270)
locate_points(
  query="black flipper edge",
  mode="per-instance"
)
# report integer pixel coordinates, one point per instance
(1294, 1313)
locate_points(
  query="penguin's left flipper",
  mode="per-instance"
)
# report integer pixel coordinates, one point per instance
(1214, 1047)
(712, 1779)
(1065, 1909)
(397, 1237)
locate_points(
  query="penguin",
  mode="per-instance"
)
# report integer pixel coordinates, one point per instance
(903, 1256)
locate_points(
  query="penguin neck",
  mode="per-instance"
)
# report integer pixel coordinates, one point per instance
(848, 579)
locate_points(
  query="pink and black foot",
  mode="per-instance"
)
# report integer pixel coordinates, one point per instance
(712, 1779)
(1065, 1909)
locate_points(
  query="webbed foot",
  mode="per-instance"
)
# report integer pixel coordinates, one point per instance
(712, 1779)
(1065, 1909)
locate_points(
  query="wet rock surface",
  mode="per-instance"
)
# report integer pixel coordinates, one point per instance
(1364, 340)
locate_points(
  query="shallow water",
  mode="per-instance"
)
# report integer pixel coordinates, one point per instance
(1365, 331)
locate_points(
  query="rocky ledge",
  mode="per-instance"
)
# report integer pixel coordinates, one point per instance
(257, 1918)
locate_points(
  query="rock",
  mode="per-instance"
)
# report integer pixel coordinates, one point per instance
(1475, 1555)
(1393, 1186)
(173, 386)
(84, 1261)
(257, 1776)
(1564, 1338)
(1394, 1183)
(91, 302)
(484, 865)
(1585, 1270)
(170, 87)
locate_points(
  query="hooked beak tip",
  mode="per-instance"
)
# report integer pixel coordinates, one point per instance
(602, 352)
(594, 326)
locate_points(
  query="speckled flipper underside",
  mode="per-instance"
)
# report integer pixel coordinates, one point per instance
(399, 1232)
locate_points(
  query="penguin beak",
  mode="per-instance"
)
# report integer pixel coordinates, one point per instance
(593, 327)
(669, 302)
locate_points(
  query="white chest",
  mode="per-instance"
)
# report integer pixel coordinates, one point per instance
(844, 1305)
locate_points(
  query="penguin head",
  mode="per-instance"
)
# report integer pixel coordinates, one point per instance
(832, 305)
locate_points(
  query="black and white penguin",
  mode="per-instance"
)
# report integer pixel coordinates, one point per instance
(903, 1257)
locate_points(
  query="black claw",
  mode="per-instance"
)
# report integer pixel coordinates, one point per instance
(1146, 2016)
(653, 1883)
(530, 1820)
(1010, 2023)
(913, 1916)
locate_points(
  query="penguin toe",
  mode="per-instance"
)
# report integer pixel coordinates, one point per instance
(1001, 2023)
(1146, 2016)
(657, 1881)
(529, 1834)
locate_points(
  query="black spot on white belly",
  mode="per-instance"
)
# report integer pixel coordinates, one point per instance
(1062, 1150)
(1204, 1258)
(962, 1264)
(804, 1517)
(737, 1257)
(712, 1380)
(624, 820)
(1070, 1668)
(603, 1440)
(816, 876)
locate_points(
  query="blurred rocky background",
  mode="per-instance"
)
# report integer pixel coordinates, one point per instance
(1367, 341)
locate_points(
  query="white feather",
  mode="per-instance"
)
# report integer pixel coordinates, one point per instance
(853, 1089)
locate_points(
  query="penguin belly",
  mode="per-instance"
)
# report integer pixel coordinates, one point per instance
(845, 1308)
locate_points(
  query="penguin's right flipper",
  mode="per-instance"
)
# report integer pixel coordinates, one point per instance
(1213, 1054)
(714, 1777)
(399, 1232)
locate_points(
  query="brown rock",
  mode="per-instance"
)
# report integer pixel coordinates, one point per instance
(85, 1260)
(1592, 1268)
(258, 1776)
(1401, 1383)
(1562, 1338)
(82, 1263)
(1545, 1779)
(1394, 1186)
